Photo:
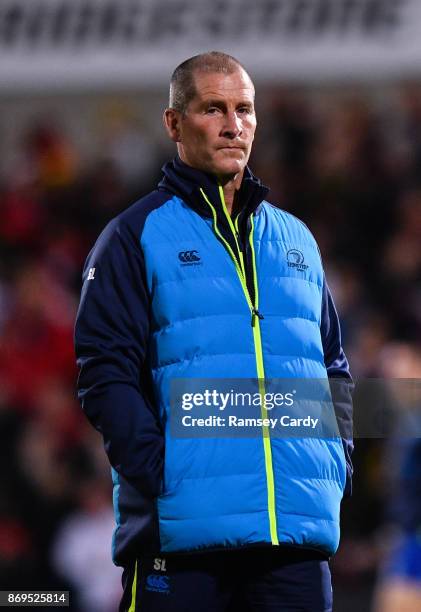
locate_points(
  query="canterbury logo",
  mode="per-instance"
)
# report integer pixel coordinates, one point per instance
(189, 258)
(157, 583)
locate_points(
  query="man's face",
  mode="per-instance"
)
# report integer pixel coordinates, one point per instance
(217, 130)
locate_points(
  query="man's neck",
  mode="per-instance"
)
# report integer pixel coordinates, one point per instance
(231, 187)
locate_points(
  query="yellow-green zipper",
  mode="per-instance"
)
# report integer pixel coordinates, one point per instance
(134, 588)
(237, 232)
(240, 271)
(262, 390)
(257, 338)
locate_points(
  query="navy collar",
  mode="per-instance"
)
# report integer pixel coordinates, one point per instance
(185, 182)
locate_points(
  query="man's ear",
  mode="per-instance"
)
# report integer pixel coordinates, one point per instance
(172, 119)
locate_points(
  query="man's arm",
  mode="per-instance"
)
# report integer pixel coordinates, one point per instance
(111, 339)
(339, 377)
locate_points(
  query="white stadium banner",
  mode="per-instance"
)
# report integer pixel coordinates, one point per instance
(135, 43)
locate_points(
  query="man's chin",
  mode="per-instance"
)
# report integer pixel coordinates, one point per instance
(230, 168)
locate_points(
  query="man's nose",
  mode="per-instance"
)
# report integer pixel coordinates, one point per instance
(232, 126)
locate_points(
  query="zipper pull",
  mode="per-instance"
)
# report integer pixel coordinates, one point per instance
(255, 313)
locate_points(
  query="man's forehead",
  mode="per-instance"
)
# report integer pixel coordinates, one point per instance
(221, 85)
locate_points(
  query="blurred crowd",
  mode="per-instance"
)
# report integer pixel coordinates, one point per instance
(349, 165)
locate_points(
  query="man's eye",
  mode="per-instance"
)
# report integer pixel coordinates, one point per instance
(244, 110)
(212, 110)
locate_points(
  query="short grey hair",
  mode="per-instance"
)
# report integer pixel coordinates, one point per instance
(182, 84)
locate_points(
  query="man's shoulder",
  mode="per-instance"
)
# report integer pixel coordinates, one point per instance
(133, 218)
(288, 221)
(127, 226)
(135, 215)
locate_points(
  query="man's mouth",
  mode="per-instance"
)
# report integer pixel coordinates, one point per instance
(231, 148)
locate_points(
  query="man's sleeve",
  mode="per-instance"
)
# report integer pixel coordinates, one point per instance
(339, 377)
(111, 339)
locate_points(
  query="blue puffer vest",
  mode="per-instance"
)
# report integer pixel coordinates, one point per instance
(224, 302)
(236, 492)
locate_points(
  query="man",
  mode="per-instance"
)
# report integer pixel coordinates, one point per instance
(205, 279)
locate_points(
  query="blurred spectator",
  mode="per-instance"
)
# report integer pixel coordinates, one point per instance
(22, 213)
(129, 147)
(36, 339)
(50, 154)
(399, 585)
(81, 551)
